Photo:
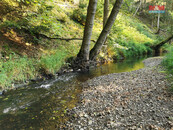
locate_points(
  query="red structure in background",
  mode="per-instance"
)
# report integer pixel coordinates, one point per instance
(156, 7)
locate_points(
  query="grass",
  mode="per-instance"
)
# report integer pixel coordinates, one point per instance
(168, 64)
(130, 34)
(16, 69)
(128, 37)
(52, 63)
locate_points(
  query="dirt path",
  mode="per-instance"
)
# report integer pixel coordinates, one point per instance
(130, 100)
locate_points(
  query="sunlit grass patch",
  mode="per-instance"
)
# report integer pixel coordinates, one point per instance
(14, 70)
(168, 61)
(168, 64)
(52, 63)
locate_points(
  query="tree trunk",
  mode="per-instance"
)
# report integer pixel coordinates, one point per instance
(145, 1)
(163, 42)
(152, 22)
(100, 41)
(143, 4)
(158, 46)
(158, 23)
(106, 12)
(137, 8)
(83, 54)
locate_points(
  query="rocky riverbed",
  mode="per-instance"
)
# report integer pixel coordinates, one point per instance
(131, 100)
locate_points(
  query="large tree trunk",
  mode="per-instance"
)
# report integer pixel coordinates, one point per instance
(100, 41)
(105, 15)
(163, 42)
(158, 46)
(83, 55)
(106, 12)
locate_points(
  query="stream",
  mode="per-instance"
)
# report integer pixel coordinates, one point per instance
(44, 105)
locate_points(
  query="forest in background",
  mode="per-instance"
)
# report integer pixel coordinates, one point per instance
(39, 38)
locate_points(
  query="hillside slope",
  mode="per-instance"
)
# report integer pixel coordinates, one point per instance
(27, 49)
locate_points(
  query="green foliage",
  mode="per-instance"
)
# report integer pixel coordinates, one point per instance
(19, 69)
(10, 24)
(168, 64)
(99, 10)
(129, 49)
(168, 61)
(79, 15)
(83, 4)
(137, 50)
(33, 21)
(16, 69)
(128, 6)
(52, 63)
(128, 34)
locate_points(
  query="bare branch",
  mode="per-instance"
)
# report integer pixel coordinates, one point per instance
(65, 39)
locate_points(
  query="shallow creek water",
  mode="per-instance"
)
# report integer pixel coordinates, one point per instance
(44, 105)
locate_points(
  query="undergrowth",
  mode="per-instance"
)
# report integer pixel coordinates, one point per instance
(128, 37)
(168, 64)
(52, 63)
(16, 69)
(19, 69)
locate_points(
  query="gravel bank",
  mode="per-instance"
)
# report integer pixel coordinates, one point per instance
(130, 100)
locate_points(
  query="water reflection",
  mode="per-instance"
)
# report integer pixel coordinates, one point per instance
(44, 105)
(121, 66)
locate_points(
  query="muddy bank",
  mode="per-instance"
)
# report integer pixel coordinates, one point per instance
(129, 100)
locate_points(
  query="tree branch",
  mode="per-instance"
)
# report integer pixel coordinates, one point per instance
(65, 39)
(163, 42)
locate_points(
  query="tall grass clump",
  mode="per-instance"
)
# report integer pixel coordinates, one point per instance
(168, 64)
(53, 62)
(168, 61)
(15, 70)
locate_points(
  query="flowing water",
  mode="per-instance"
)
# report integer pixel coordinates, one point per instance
(44, 105)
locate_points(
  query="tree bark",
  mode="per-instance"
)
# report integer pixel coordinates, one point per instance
(137, 8)
(152, 22)
(158, 23)
(100, 41)
(84, 51)
(163, 42)
(157, 47)
(106, 12)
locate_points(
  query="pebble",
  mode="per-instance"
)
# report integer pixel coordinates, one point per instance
(134, 100)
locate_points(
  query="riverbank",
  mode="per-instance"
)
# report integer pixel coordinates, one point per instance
(30, 51)
(129, 100)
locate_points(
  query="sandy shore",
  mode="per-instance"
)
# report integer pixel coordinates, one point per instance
(130, 100)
